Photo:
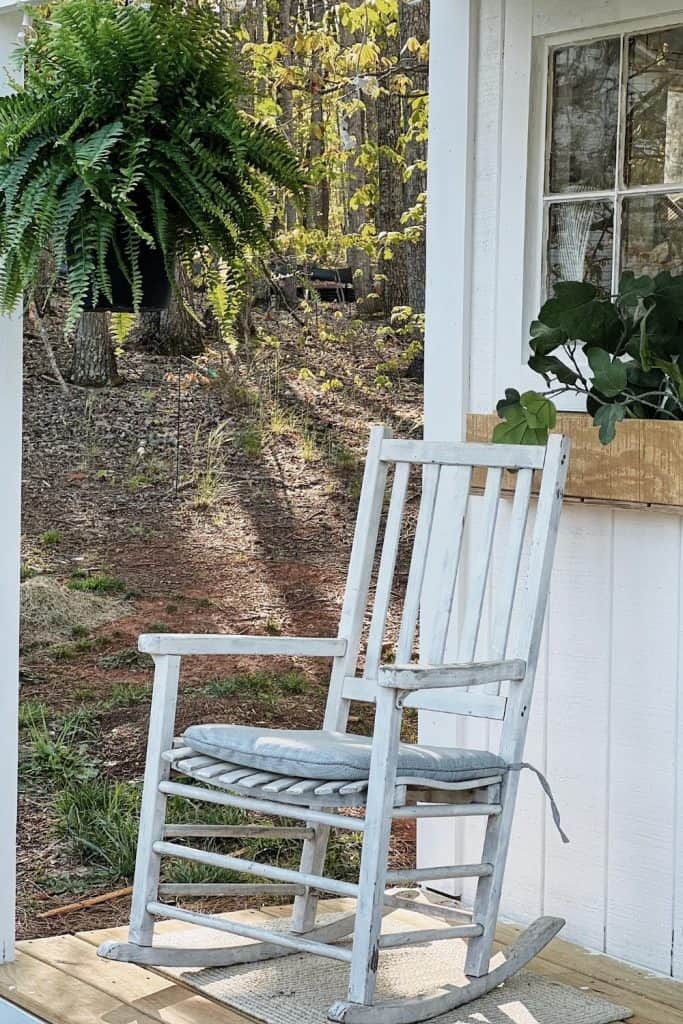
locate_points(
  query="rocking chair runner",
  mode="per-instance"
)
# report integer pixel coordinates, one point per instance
(308, 775)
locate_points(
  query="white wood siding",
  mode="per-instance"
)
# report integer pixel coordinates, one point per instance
(607, 721)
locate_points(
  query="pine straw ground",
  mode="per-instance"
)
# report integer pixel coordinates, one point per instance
(247, 530)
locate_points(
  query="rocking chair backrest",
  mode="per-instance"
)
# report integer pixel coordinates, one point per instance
(447, 472)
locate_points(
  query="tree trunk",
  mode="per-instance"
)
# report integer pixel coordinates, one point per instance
(394, 271)
(355, 125)
(414, 23)
(93, 363)
(178, 330)
(285, 28)
(318, 207)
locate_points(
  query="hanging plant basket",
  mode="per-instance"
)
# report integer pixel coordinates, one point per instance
(642, 467)
(156, 287)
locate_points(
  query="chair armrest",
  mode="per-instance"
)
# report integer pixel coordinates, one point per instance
(218, 643)
(429, 677)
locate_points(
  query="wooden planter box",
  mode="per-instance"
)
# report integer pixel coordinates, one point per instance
(643, 466)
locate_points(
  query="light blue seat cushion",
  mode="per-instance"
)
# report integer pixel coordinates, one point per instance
(314, 754)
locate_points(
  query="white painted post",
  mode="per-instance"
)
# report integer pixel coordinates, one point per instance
(10, 532)
(452, 66)
(452, 95)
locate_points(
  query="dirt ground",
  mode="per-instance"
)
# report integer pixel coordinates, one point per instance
(216, 495)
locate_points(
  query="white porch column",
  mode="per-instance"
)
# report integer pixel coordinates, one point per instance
(10, 530)
(452, 97)
(452, 67)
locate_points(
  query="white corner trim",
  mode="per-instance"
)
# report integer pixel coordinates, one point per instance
(449, 216)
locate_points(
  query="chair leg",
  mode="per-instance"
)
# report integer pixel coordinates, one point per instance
(490, 887)
(153, 807)
(312, 862)
(373, 868)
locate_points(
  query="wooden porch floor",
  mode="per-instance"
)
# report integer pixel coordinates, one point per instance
(62, 981)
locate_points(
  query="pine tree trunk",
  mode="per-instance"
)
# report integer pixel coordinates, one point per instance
(394, 271)
(318, 209)
(414, 23)
(285, 27)
(93, 363)
(355, 124)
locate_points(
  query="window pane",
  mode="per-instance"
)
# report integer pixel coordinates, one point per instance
(584, 117)
(652, 234)
(654, 125)
(580, 243)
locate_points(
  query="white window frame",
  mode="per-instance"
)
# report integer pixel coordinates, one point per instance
(620, 191)
(524, 136)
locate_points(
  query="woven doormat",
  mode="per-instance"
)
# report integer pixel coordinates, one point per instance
(298, 989)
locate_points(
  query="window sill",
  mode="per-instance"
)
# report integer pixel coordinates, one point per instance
(642, 468)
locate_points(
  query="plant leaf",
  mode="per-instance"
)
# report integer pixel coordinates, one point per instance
(579, 311)
(609, 375)
(526, 418)
(606, 418)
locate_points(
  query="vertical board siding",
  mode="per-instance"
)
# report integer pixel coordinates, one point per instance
(579, 661)
(642, 724)
(677, 909)
(607, 728)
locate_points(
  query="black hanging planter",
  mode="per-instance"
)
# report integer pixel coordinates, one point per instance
(156, 287)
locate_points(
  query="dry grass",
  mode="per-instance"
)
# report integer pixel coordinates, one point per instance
(51, 612)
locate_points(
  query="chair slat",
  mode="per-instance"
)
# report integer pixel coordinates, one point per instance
(418, 563)
(513, 556)
(279, 784)
(473, 704)
(217, 768)
(257, 779)
(457, 480)
(235, 776)
(387, 565)
(481, 560)
(507, 456)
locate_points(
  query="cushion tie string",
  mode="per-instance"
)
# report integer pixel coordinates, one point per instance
(545, 786)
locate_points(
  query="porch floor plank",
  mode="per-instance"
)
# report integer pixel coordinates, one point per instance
(63, 981)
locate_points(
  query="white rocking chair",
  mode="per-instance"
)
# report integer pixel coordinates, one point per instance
(308, 775)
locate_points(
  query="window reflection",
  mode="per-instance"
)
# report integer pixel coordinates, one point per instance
(654, 123)
(580, 243)
(585, 104)
(652, 234)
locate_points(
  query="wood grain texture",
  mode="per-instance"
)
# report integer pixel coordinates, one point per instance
(642, 466)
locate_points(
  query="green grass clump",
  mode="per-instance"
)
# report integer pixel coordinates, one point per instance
(31, 710)
(99, 819)
(58, 755)
(76, 883)
(51, 537)
(128, 657)
(97, 583)
(265, 686)
(125, 695)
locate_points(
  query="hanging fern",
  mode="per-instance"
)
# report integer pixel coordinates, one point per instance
(128, 133)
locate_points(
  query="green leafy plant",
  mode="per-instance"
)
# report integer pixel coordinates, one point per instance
(97, 583)
(57, 754)
(624, 356)
(126, 138)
